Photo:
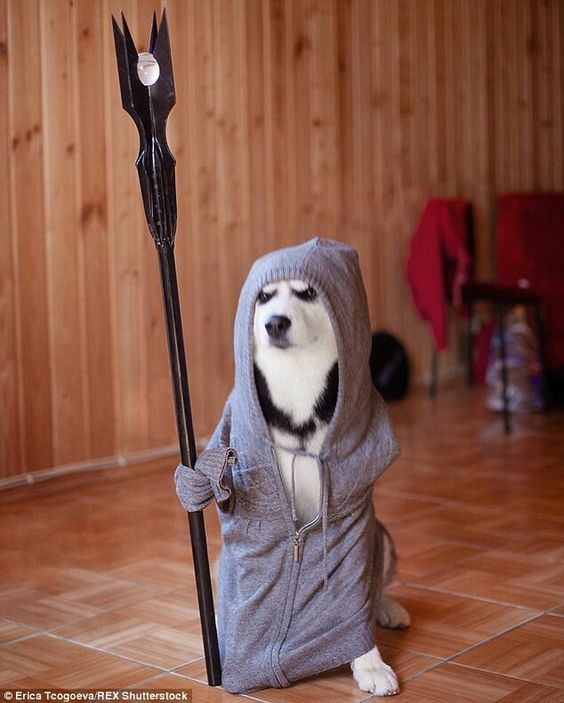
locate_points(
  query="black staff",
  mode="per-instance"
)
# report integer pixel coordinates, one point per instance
(147, 94)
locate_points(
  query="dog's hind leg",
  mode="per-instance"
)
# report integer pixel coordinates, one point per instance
(390, 613)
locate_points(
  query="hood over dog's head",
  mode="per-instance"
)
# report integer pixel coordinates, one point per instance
(332, 269)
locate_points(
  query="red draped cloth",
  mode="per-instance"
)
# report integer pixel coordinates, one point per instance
(439, 262)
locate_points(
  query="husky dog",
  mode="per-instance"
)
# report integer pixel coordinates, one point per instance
(297, 380)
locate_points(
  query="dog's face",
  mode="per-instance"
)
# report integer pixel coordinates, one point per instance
(290, 314)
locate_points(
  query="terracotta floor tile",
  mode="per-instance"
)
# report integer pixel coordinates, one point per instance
(10, 632)
(504, 576)
(162, 631)
(48, 661)
(444, 624)
(392, 509)
(473, 527)
(450, 683)
(405, 663)
(534, 652)
(166, 573)
(201, 693)
(469, 508)
(335, 685)
(420, 554)
(41, 611)
(547, 545)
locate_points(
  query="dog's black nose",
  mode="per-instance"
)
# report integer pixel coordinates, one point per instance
(277, 326)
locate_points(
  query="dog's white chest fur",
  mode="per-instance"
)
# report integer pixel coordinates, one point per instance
(296, 375)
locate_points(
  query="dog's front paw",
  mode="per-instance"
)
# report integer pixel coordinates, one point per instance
(373, 676)
(392, 615)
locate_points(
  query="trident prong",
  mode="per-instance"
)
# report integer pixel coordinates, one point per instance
(150, 106)
(149, 103)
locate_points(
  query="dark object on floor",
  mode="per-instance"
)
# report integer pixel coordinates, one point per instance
(389, 366)
(555, 387)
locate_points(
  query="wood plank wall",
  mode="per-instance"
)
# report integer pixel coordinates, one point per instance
(294, 118)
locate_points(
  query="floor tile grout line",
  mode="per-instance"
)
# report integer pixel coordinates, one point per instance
(155, 677)
(499, 673)
(469, 596)
(425, 671)
(452, 659)
(110, 653)
(493, 638)
(17, 640)
(460, 561)
(51, 630)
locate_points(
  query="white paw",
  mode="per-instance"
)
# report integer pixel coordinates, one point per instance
(392, 615)
(373, 676)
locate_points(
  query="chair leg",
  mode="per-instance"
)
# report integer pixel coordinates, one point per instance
(433, 379)
(500, 310)
(542, 355)
(470, 348)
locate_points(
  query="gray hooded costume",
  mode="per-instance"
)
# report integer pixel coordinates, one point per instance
(293, 603)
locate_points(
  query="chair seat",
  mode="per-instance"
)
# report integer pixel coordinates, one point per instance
(492, 292)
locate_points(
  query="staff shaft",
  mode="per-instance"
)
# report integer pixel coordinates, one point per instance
(188, 455)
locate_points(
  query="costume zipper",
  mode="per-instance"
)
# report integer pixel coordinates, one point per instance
(298, 532)
(297, 546)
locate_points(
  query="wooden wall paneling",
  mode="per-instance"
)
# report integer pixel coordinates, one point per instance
(188, 266)
(64, 255)
(232, 164)
(430, 49)
(440, 97)
(128, 237)
(558, 31)
(421, 60)
(92, 229)
(481, 186)
(300, 71)
(450, 68)
(543, 67)
(382, 166)
(354, 202)
(279, 158)
(523, 89)
(255, 70)
(294, 118)
(10, 426)
(28, 221)
(363, 204)
(556, 97)
(503, 97)
(405, 83)
(551, 122)
(325, 182)
(201, 242)
(465, 103)
(294, 47)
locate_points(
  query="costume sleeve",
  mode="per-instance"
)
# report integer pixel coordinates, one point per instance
(211, 476)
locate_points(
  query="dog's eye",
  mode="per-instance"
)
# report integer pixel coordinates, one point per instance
(309, 294)
(264, 297)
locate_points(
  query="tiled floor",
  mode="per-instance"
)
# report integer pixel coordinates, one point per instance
(97, 588)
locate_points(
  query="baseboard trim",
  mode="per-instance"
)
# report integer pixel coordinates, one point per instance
(113, 462)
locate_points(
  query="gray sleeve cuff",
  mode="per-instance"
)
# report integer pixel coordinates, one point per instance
(211, 477)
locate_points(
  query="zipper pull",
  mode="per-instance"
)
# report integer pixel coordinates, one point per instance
(297, 547)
